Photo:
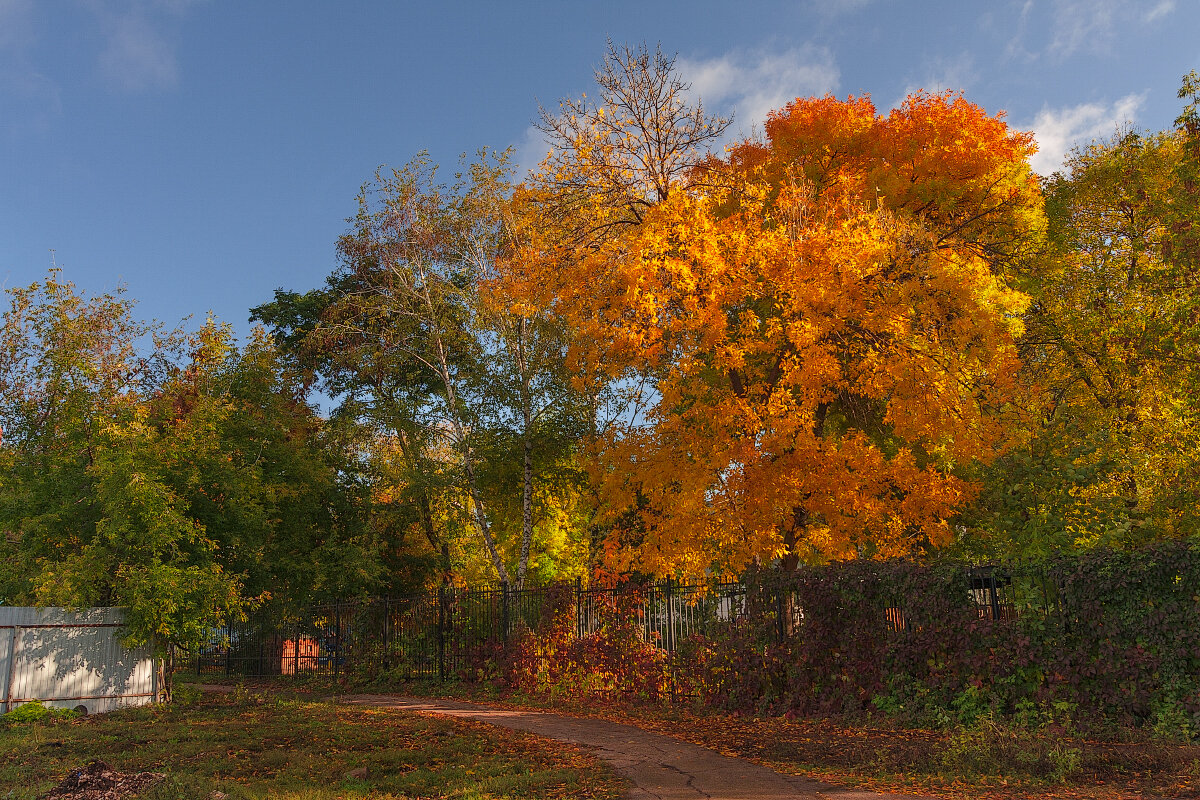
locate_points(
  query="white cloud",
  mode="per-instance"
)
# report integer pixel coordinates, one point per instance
(1159, 11)
(751, 83)
(1058, 130)
(136, 55)
(139, 42)
(529, 152)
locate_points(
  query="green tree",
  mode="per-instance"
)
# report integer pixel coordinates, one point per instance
(1112, 352)
(87, 519)
(460, 381)
(187, 484)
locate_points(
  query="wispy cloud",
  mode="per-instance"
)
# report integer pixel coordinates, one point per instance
(1080, 25)
(29, 100)
(1058, 130)
(529, 152)
(16, 24)
(1083, 24)
(137, 57)
(139, 38)
(751, 83)
(835, 7)
(1160, 10)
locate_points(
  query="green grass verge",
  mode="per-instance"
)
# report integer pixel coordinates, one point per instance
(252, 746)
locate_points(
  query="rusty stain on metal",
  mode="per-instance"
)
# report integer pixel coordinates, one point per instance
(12, 668)
(80, 625)
(81, 697)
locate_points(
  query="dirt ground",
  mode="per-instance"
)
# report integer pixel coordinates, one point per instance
(97, 781)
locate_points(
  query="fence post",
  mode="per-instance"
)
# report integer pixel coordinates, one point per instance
(441, 633)
(670, 597)
(504, 611)
(296, 650)
(337, 636)
(387, 618)
(670, 638)
(995, 598)
(780, 631)
(578, 607)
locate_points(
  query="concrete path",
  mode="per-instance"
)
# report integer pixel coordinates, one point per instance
(659, 767)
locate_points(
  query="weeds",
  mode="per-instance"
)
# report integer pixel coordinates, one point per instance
(34, 711)
(988, 748)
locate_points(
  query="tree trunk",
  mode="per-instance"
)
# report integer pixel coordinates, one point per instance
(526, 515)
(527, 447)
(479, 511)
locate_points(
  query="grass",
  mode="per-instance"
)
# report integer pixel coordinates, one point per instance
(250, 745)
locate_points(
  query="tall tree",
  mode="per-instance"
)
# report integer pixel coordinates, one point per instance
(828, 326)
(412, 252)
(442, 356)
(612, 160)
(1113, 346)
(383, 413)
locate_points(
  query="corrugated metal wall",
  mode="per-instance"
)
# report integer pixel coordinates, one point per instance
(70, 658)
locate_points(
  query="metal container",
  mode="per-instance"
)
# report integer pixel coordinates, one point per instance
(72, 659)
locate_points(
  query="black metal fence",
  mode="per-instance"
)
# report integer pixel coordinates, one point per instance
(451, 632)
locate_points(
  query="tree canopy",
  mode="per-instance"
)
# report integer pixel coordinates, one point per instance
(857, 335)
(171, 473)
(828, 325)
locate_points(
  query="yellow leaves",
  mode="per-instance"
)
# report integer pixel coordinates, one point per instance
(826, 321)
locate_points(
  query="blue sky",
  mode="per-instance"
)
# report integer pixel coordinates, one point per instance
(202, 153)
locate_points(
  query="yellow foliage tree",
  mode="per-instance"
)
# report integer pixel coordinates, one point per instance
(826, 325)
(1113, 344)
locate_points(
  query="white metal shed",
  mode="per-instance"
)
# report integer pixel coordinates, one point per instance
(68, 659)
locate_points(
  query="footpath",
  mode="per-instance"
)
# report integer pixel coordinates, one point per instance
(658, 767)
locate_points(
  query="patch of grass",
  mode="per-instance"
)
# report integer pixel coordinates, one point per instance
(252, 747)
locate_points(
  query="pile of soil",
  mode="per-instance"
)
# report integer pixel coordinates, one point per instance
(97, 781)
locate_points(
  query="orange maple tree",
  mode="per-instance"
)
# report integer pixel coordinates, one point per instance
(825, 319)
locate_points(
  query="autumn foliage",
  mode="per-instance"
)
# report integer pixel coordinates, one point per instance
(826, 323)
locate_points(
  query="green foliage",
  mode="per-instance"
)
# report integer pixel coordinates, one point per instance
(35, 711)
(1110, 354)
(989, 748)
(187, 485)
(1102, 639)
(185, 694)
